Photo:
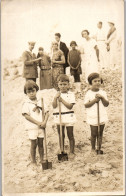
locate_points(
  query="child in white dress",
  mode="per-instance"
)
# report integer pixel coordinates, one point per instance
(92, 97)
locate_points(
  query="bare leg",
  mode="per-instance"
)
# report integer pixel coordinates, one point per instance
(33, 150)
(71, 138)
(40, 148)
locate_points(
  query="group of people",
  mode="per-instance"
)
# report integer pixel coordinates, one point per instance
(86, 60)
(53, 74)
(36, 123)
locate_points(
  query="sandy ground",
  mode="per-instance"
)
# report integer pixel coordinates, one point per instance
(83, 173)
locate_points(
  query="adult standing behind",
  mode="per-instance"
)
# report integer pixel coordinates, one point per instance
(112, 45)
(91, 54)
(30, 71)
(45, 70)
(101, 38)
(62, 46)
(58, 60)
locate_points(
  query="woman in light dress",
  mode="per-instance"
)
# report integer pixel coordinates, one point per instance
(91, 54)
(112, 46)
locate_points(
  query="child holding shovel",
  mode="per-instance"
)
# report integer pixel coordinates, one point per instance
(67, 100)
(32, 111)
(92, 97)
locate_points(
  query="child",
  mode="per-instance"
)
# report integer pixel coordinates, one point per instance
(74, 60)
(67, 100)
(32, 112)
(92, 97)
(45, 70)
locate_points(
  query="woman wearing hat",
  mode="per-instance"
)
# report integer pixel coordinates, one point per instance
(112, 45)
(58, 61)
(45, 70)
(91, 54)
(30, 71)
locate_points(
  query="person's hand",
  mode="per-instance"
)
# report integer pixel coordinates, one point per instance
(53, 61)
(40, 58)
(42, 124)
(97, 100)
(98, 96)
(57, 95)
(60, 99)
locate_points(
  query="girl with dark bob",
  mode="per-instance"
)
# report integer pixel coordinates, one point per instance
(34, 124)
(92, 97)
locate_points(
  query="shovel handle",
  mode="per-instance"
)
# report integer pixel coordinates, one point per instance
(43, 117)
(61, 133)
(98, 118)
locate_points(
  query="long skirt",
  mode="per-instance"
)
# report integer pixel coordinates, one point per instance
(45, 79)
(56, 71)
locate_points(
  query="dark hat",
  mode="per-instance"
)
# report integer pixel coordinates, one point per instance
(73, 42)
(30, 84)
(92, 76)
(41, 48)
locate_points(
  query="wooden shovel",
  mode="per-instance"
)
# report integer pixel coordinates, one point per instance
(45, 164)
(99, 151)
(63, 156)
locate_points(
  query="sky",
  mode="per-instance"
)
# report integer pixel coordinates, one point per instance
(39, 20)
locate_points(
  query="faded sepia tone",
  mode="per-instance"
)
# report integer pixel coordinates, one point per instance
(38, 21)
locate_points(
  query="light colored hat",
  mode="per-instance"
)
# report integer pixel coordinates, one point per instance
(31, 43)
(111, 22)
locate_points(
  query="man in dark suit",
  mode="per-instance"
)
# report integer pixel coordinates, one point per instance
(62, 46)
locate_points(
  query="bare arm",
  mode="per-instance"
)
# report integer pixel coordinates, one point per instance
(54, 104)
(104, 101)
(41, 124)
(68, 105)
(91, 103)
(97, 52)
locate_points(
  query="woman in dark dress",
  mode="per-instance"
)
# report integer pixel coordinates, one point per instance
(45, 70)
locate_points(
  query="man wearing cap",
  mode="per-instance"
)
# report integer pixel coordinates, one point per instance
(30, 71)
(62, 46)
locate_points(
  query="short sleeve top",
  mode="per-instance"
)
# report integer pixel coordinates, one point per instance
(92, 111)
(68, 97)
(33, 109)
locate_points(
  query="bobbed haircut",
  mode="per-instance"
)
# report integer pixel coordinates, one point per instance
(92, 76)
(85, 31)
(73, 42)
(29, 85)
(58, 34)
(63, 78)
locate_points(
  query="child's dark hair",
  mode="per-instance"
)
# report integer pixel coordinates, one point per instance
(73, 42)
(63, 78)
(92, 76)
(29, 85)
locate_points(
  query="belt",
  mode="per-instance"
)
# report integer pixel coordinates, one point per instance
(63, 113)
(45, 68)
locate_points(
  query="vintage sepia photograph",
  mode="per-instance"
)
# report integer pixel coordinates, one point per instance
(62, 92)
